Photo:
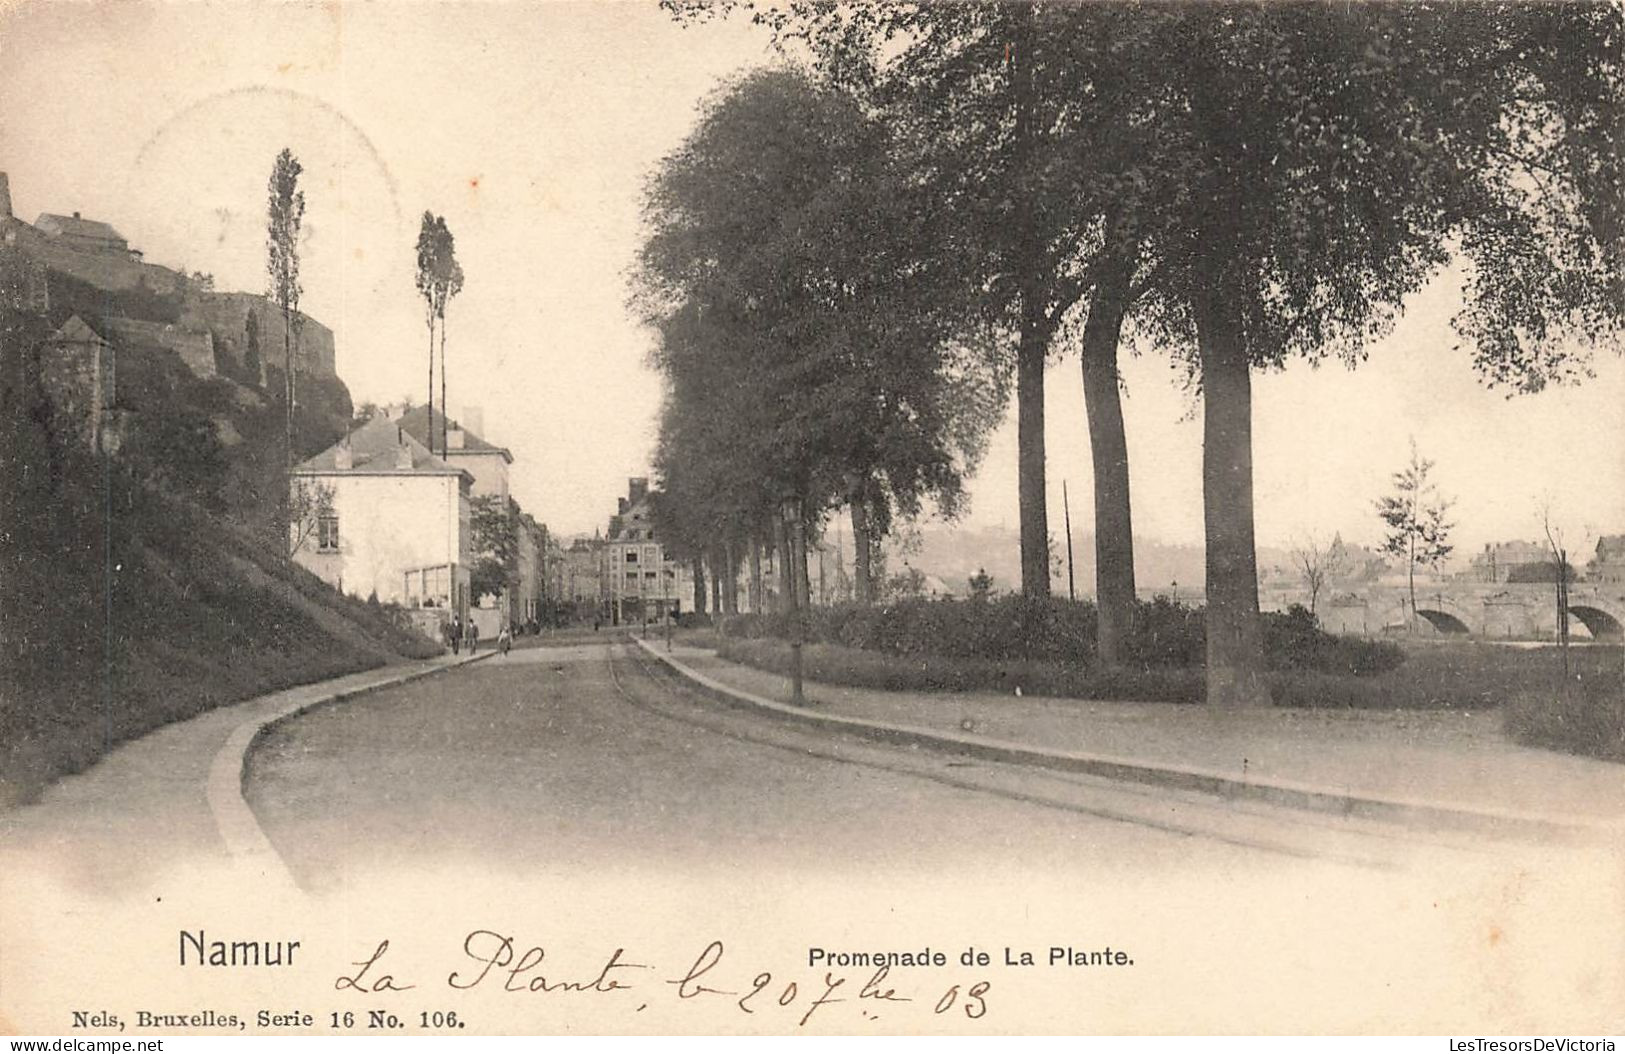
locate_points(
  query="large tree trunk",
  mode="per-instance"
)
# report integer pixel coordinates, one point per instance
(802, 578)
(781, 560)
(699, 586)
(755, 577)
(800, 584)
(1035, 333)
(1108, 448)
(1235, 658)
(861, 568)
(1033, 500)
(716, 583)
(730, 579)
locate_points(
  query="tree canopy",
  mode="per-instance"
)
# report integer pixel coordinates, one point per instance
(1274, 179)
(799, 361)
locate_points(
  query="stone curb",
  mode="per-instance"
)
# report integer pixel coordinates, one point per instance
(1502, 822)
(239, 828)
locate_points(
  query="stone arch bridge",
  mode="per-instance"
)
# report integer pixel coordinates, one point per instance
(1499, 611)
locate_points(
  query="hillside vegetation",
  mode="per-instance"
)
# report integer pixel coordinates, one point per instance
(219, 441)
(132, 595)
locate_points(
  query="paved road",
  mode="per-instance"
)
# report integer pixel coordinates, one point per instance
(577, 796)
(588, 753)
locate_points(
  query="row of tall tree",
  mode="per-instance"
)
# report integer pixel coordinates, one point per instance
(1234, 185)
(808, 365)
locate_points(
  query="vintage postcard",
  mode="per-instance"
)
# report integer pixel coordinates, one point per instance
(787, 518)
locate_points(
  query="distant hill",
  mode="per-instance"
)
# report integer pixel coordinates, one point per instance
(955, 554)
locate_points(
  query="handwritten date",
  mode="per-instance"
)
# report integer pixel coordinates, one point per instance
(493, 960)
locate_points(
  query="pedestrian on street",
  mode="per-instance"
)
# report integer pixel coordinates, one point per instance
(504, 640)
(473, 637)
(456, 634)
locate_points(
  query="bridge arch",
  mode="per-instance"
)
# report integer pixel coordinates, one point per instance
(1444, 622)
(1601, 624)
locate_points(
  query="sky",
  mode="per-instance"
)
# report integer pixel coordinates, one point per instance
(532, 128)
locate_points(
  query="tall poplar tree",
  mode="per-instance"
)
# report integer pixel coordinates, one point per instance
(285, 214)
(427, 279)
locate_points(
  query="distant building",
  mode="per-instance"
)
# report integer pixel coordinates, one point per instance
(538, 558)
(582, 570)
(1498, 563)
(397, 525)
(553, 572)
(76, 232)
(1608, 565)
(641, 580)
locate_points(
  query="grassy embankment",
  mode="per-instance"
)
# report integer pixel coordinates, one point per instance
(185, 614)
(127, 606)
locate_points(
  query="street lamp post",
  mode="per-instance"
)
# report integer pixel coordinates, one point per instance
(792, 516)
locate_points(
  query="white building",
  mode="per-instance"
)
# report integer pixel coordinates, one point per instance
(487, 464)
(389, 519)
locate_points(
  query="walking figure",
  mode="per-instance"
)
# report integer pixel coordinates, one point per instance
(456, 631)
(473, 637)
(504, 640)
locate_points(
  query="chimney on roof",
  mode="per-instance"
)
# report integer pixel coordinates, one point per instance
(5, 196)
(637, 488)
(344, 457)
(76, 214)
(455, 437)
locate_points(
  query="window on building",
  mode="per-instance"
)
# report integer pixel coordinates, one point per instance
(648, 574)
(631, 556)
(327, 534)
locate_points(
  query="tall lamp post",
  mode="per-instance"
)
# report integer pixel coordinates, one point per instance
(792, 517)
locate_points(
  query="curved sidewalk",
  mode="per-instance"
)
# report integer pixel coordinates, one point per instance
(1438, 769)
(173, 797)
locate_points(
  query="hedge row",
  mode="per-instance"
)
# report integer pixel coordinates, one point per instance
(1166, 634)
(1464, 677)
(1588, 718)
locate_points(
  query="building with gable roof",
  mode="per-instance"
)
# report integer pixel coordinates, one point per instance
(486, 462)
(85, 235)
(1608, 565)
(394, 521)
(641, 580)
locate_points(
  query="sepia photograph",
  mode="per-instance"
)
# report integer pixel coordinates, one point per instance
(827, 517)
